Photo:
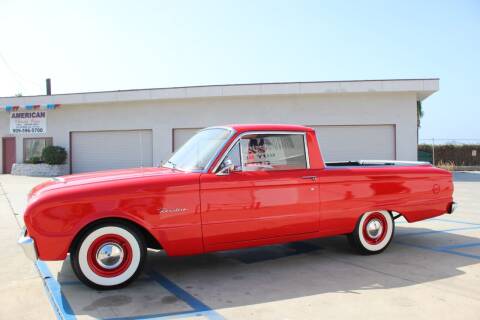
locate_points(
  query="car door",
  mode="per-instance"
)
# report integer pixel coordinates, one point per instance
(271, 193)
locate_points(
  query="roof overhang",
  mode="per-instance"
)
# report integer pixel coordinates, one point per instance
(421, 87)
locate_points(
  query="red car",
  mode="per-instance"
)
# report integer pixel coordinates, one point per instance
(227, 188)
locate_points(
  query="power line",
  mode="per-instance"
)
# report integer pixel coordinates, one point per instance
(17, 76)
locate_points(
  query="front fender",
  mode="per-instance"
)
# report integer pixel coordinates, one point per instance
(55, 217)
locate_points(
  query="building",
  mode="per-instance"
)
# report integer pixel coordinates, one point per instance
(374, 119)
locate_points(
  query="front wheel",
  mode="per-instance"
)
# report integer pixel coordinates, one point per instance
(373, 232)
(108, 256)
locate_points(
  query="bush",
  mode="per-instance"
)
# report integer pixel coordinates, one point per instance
(54, 155)
(459, 154)
(450, 165)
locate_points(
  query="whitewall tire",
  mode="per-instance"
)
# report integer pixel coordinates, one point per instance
(373, 232)
(108, 256)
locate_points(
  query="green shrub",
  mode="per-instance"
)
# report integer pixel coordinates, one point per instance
(54, 155)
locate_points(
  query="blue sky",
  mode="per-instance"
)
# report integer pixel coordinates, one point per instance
(110, 45)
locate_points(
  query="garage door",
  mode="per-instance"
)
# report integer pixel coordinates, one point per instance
(369, 142)
(181, 135)
(103, 150)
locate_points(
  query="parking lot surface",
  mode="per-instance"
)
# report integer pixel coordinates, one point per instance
(431, 270)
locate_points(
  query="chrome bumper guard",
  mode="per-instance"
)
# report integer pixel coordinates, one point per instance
(28, 245)
(452, 207)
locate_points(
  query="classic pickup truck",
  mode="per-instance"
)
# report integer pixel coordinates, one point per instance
(228, 187)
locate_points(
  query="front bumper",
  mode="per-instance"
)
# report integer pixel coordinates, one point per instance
(28, 245)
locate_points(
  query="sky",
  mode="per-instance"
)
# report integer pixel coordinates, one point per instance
(111, 45)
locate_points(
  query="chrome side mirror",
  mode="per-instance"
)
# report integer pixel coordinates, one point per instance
(228, 167)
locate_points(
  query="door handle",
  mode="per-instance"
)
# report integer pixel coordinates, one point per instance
(313, 178)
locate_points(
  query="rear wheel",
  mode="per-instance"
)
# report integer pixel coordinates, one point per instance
(108, 256)
(373, 232)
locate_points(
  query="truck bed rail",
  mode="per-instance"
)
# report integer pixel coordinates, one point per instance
(368, 163)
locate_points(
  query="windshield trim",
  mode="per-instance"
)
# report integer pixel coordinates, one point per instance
(209, 163)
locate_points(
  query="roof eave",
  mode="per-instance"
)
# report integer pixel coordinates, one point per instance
(422, 87)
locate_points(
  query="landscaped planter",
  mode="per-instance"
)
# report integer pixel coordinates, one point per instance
(39, 170)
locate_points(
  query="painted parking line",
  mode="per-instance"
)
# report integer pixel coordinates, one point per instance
(64, 311)
(463, 254)
(439, 249)
(199, 308)
(416, 233)
(461, 246)
(454, 221)
(451, 249)
(60, 305)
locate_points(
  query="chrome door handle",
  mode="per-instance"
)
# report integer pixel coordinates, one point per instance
(314, 178)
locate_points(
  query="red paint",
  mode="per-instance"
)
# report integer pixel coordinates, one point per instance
(383, 222)
(258, 204)
(239, 210)
(9, 154)
(97, 244)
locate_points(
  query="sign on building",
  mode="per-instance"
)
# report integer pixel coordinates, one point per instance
(28, 122)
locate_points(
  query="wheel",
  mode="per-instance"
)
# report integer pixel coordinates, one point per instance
(108, 256)
(373, 232)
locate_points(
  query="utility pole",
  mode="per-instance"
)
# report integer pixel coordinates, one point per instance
(48, 83)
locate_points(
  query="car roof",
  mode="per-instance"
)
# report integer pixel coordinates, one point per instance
(268, 127)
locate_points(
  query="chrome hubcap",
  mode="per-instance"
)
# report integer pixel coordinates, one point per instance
(110, 255)
(374, 228)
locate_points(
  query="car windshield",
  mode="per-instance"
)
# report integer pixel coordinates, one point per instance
(199, 150)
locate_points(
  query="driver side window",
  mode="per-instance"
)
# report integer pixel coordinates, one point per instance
(268, 152)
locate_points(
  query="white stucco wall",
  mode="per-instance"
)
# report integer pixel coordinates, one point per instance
(161, 116)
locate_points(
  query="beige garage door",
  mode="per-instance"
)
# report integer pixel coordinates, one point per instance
(104, 150)
(369, 142)
(181, 135)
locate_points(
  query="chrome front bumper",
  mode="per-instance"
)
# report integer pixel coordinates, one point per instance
(28, 245)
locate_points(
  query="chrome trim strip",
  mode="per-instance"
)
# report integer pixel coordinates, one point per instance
(394, 162)
(307, 156)
(241, 154)
(264, 132)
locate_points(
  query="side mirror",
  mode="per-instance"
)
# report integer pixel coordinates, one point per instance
(227, 168)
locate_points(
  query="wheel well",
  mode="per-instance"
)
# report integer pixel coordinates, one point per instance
(395, 214)
(150, 240)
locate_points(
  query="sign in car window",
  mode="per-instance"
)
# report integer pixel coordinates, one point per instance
(28, 122)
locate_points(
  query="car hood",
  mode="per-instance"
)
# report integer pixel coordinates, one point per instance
(100, 176)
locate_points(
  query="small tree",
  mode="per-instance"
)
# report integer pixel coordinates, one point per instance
(419, 117)
(54, 155)
(420, 114)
